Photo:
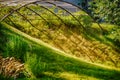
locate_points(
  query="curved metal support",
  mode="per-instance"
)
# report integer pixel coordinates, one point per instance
(27, 20)
(68, 12)
(35, 3)
(82, 10)
(24, 18)
(29, 4)
(36, 13)
(6, 16)
(52, 13)
(15, 10)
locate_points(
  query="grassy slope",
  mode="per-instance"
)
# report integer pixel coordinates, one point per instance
(47, 63)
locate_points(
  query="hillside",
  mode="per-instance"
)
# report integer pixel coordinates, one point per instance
(44, 40)
(45, 62)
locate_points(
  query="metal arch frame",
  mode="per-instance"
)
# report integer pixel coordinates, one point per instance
(38, 14)
(83, 11)
(25, 6)
(29, 4)
(26, 20)
(16, 10)
(67, 12)
(52, 13)
(31, 11)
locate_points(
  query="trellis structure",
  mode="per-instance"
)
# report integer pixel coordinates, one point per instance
(50, 2)
(39, 20)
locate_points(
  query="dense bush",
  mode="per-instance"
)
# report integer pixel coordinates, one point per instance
(106, 10)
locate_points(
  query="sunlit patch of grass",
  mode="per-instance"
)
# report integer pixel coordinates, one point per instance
(69, 76)
(72, 76)
(108, 27)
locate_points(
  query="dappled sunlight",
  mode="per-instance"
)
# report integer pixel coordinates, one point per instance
(72, 76)
(69, 76)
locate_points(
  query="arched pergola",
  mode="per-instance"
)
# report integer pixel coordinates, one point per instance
(49, 2)
(6, 18)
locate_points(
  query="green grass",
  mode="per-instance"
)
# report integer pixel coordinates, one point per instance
(47, 63)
